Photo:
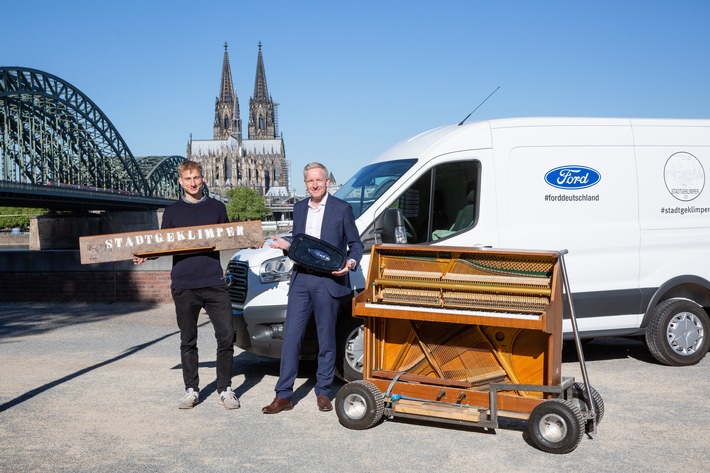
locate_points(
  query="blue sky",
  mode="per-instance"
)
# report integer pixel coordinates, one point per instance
(353, 78)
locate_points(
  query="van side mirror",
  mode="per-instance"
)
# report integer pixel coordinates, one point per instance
(390, 227)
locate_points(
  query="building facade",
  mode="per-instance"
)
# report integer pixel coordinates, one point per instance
(228, 160)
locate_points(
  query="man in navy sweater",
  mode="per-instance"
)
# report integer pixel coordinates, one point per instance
(198, 283)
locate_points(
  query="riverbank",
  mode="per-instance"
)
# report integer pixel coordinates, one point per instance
(14, 239)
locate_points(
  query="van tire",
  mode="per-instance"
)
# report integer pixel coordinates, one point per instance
(677, 333)
(349, 355)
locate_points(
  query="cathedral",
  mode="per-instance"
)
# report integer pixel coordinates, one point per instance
(228, 160)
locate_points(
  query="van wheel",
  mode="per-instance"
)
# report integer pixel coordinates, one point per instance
(349, 359)
(677, 334)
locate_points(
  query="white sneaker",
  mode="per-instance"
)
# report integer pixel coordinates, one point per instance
(228, 399)
(189, 400)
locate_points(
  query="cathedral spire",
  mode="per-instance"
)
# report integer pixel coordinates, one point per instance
(262, 114)
(261, 91)
(226, 114)
(226, 90)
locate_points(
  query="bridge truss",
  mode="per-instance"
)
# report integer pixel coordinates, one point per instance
(53, 136)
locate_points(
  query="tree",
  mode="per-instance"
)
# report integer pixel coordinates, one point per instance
(246, 204)
(11, 217)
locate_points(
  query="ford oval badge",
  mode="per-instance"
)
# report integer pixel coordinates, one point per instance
(319, 254)
(572, 177)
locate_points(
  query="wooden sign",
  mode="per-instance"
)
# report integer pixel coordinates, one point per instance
(171, 241)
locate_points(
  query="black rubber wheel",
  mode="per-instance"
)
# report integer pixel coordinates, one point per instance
(359, 405)
(677, 334)
(350, 350)
(556, 426)
(579, 399)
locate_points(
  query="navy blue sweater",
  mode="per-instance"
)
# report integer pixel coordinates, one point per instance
(201, 269)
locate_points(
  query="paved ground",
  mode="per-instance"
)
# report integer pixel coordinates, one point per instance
(94, 388)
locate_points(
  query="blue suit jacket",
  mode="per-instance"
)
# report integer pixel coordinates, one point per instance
(339, 230)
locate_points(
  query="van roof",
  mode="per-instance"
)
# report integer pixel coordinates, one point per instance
(418, 145)
(478, 133)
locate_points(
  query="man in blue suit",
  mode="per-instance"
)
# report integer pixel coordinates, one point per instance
(330, 219)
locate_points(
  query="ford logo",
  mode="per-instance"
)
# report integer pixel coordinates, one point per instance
(319, 254)
(572, 177)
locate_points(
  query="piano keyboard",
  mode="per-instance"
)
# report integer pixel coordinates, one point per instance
(443, 310)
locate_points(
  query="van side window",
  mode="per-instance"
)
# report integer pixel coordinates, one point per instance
(441, 202)
(414, 203)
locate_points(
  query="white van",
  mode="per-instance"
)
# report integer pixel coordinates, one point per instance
(626, 197)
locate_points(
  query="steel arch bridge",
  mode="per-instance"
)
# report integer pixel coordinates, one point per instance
(60, 151)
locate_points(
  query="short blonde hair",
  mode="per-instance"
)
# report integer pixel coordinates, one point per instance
(188, 165)
(315, 165)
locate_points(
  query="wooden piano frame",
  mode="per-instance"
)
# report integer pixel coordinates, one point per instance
(464, 335)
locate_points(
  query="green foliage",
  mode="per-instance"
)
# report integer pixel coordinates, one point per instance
(245, 204)
(11, 217)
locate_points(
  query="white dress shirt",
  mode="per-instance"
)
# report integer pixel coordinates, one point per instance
(314, 218)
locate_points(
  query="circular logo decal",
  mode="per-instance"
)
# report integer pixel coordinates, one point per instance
(684, 176)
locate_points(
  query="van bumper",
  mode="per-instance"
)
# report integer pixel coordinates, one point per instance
(259, 330)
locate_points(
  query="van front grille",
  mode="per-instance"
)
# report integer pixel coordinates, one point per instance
(237, 280)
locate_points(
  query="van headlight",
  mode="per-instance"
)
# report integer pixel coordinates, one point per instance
(275, 270)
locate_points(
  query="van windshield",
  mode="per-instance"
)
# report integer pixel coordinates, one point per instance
(370, 182)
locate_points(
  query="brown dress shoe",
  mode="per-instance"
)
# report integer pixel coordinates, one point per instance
(277, 405)
(324, 404)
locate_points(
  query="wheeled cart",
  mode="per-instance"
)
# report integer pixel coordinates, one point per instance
(466, 336)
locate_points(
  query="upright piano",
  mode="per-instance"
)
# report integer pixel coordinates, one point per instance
(443, 325)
